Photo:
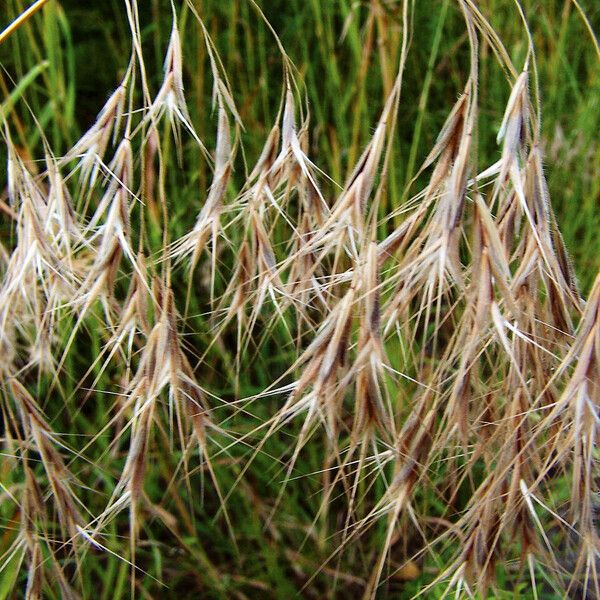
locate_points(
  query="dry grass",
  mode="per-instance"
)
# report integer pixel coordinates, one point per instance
(442, 349)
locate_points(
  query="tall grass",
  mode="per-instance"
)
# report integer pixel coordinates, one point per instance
(264, 333)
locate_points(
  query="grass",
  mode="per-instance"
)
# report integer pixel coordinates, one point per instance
(300, 299)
